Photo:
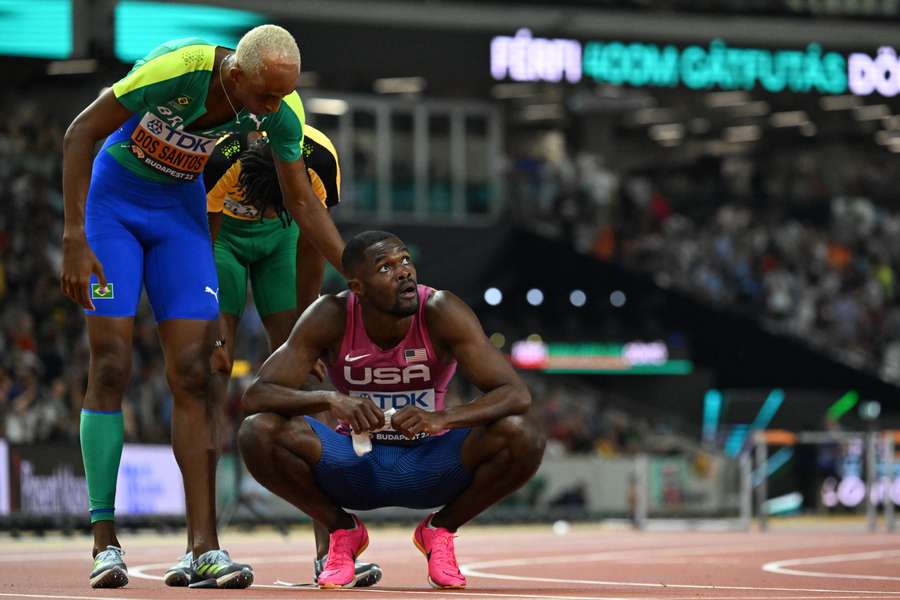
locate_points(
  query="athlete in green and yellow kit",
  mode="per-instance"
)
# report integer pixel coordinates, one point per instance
(255, 240)
(136, 218)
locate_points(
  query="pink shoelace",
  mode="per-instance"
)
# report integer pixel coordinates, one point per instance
(442, 548)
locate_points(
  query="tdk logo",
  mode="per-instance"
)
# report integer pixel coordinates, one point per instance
(423, 399)
(388, 375)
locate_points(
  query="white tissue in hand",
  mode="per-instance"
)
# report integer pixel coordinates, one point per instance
(362, 441)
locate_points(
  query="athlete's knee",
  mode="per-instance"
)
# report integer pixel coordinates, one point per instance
(257, 433)
(188, 371)
(523, 438)
(110, 369)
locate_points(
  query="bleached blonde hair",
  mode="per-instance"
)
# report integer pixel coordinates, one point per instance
(265, 42)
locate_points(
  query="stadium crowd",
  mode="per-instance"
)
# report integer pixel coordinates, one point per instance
(806, 242)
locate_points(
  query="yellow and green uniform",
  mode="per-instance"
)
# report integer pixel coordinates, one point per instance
(166, 90)
(254, 246)
(145, 215)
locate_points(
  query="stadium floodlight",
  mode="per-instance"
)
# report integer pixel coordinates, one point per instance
(618, 298)
(869, 410)
(578, 298)
(493, 296)
(535, 297)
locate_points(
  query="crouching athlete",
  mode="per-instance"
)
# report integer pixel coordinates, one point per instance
(389, 343)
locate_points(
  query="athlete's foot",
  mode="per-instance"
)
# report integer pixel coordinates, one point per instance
(179, 574)
(365, 574)
(215, 569)
(109, 569)
(344, 545)
(436, 543)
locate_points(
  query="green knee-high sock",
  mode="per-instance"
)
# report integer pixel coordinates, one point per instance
(102, 436)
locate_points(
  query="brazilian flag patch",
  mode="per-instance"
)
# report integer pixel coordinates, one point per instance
(99, 292)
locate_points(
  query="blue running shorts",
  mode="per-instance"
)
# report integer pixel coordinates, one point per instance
(150, 234)
(425, 475)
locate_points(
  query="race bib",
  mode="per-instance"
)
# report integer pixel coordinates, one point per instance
(173, 152)
(240, 210)
(424, 399)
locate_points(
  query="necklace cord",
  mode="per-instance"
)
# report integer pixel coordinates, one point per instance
(222, 83)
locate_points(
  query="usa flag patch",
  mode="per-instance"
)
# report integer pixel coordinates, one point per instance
(415, 355)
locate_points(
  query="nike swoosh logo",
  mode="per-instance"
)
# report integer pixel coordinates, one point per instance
(349, 358)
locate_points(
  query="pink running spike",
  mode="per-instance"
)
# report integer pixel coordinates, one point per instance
(436, 543)
(344, 545)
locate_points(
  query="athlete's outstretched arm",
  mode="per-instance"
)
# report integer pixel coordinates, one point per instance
(277, 386)
(455, 329)
(95, 122)
(310, 272)
(308, 211)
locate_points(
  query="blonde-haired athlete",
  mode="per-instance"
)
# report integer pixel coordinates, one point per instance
(135, 218)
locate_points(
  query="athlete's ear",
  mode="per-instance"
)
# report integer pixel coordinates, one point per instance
(237, 75)
(355, 286)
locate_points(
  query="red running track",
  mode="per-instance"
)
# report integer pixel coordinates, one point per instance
(509, 562)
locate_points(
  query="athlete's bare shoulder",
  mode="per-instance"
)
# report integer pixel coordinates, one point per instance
(449, 320)
(325, 318)
(440, 302)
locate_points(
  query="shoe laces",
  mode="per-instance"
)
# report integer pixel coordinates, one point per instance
(341, 544)
(111, 553)
(214, 557)
(442, 545)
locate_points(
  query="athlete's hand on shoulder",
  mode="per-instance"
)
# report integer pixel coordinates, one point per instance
(360, 413)
(412, 420)
(79, 261)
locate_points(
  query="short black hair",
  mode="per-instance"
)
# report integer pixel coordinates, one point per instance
(355, 251)
(259, 181)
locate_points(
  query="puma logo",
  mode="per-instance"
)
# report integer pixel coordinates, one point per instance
(215, 293)
(257, 120)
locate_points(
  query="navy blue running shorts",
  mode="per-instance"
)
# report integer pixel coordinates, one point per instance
(428, 474)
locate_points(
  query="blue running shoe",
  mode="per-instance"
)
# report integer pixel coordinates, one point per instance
(109, 569)
(215, 569)
(179, 574)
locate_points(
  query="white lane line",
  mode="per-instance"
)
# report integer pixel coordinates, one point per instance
(7, 595)
(474, 570)
(779, 566)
